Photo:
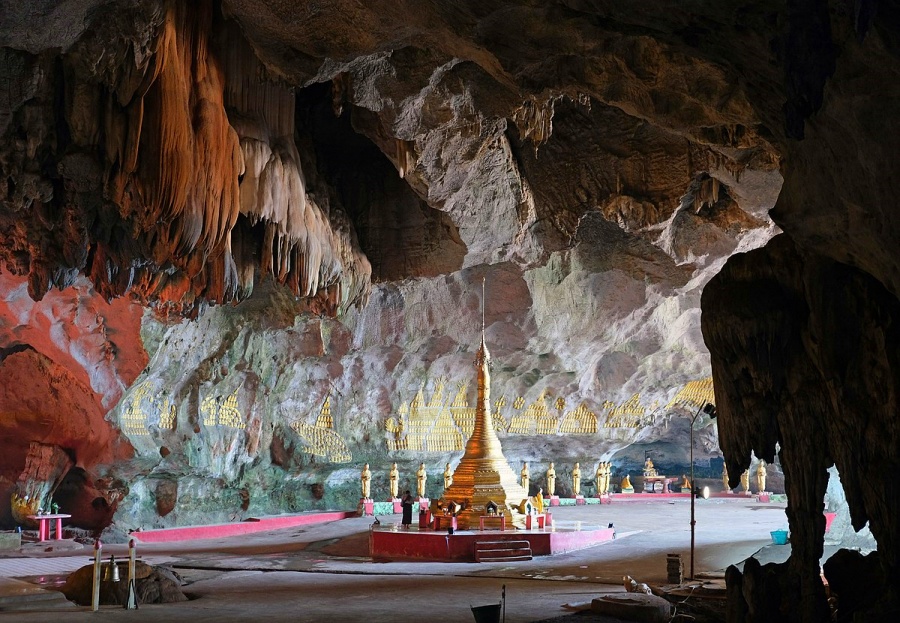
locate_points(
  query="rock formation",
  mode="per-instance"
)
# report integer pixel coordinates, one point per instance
(345, 175)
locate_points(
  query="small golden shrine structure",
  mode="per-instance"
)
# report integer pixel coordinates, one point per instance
(483, 474)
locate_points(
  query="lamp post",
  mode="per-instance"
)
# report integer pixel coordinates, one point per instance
(710, 410)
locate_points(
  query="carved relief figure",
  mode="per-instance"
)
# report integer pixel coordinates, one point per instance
(576, 479)
(761, 476)
(551, 480)
(365, 480)
(394, 480)
(525, 477)
(421, 477)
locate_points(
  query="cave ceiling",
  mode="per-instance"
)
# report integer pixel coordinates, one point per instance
(307, 197)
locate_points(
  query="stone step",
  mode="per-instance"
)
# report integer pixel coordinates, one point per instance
(502, 551)
(487, 545)
(505, 559)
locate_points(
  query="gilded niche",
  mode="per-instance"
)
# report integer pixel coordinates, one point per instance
(320, 439)
(145, 408)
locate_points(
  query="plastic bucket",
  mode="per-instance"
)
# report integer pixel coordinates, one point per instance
(779, 537)
(487, 614)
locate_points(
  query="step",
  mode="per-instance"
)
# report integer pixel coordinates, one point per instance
(505, 559)
(488, 545)
(502, 551)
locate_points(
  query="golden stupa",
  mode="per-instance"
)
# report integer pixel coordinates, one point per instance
(483, 474)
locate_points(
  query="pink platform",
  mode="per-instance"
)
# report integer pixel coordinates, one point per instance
(394, 543)
(253, 524)
(650, 497)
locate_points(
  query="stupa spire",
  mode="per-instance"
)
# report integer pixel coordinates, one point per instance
(483, 474)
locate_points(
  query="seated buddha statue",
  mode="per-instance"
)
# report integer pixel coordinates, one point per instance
(649, 469)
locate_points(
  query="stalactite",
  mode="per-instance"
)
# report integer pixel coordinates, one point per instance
(196, 135)
(340, 92)
(299, 247)
(707, 194)
(406, 156)
(534, 119)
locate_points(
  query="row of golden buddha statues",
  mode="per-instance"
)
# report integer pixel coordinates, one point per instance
(365, 478)
(601, 475)
(602, 478)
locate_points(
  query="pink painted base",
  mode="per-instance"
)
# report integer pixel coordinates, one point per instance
(646, 497)
(253, 524)
(554, 500)
(393, 543)
(579, 500)
(398, 507)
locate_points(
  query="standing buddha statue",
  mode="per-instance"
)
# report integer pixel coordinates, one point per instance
(365, 479)
(551, 480)
(394, 480)
(524, 475)
(745, 481)
(448, 477)
(421, 477)
(761, 476)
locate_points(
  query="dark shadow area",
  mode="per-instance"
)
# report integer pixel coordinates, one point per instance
(400, 234)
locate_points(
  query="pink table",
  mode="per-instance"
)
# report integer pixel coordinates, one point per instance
(502, 519)
(444, 521)
(44, 525)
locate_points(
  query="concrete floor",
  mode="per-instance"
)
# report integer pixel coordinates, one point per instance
(323, 573)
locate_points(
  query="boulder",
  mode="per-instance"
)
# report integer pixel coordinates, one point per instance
(153, 585)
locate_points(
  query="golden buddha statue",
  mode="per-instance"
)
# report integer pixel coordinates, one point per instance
(626, 484)
(551, 480)
(649, 469)
(394, 480)
(761, 476)
(448, 477)
(576, 479)
(365, 479)
(524, 476)
(421, 477)
(685, 483)
(603, 472)
(725, 478)
(539, 502)
(745, 480)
